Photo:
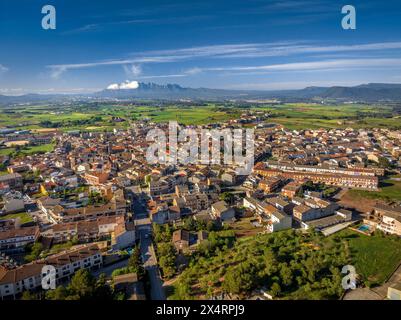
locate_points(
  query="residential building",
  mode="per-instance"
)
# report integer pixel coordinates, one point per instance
(29, 276)
(221, 210)
(15, 239)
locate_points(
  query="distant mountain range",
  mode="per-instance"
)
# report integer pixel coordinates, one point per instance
(372, 92)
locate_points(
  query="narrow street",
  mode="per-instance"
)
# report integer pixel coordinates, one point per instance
(144, 229)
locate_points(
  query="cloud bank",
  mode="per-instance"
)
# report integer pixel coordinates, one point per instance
(123, 85)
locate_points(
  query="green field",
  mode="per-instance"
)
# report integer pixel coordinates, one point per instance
(25, 217)
(375, 258)
(29, 150)
(291, 115)
(390, 190)
(313, 116)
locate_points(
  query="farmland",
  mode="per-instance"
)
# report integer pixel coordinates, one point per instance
(293, 116)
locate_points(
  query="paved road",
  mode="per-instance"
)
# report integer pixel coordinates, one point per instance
(144, 229)
(150, 264)
(109, 269)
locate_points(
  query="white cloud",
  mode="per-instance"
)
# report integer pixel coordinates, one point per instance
(56, 72)
(315, 65)
(132, 65)
(132, 70)
(178, 75)
(193, 71)
(124, 85)
(3, 68)
(113, 86)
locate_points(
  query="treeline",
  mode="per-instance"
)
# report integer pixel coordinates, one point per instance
(83, 286)
(70, 123)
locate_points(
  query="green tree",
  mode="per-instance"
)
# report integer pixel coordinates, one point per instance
(34, 252)
(275, 289)
(82, 284)
(102, 290)
(167, 257)
(286, 275)
(60, 293)
(27, 295)
(227, 197)
(384, 163)
(135, 262)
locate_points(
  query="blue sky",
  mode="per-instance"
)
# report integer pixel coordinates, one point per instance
(248, 44)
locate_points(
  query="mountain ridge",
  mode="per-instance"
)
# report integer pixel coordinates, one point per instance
(370, 92)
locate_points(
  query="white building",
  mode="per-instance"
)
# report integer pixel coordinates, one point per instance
(29, 276)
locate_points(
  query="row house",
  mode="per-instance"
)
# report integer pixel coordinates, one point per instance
(275, 218)
(59, 214)
(291, 189)
(310, 209)
(195, 202)
(88, 231)
(340, 180)
(12, 180)
(270, 184)
(15, 239)
(29, 276)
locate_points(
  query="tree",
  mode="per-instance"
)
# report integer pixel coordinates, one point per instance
(162, 232)
(82, 284)
(190, 224)
(275, 289)
(384, 163)
(227, 197)
(34, 252)
(102, 290)
(232, 282)
(135, 262)
(167, 256)
(27, 295)
(286, 275)
(239, 279)
(60, 293)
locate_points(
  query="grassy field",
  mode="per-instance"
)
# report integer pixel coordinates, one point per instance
(298, 116)
(194, 116)
(390, 190)
(244, 228)
(374, 257)
(25, 217)
(30, 150)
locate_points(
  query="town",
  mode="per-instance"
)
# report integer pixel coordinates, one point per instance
(116, 226)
